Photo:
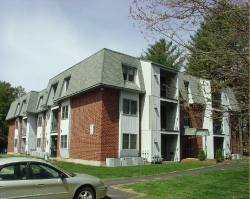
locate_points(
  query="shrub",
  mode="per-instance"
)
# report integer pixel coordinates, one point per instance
(202, 156)
(219, 157)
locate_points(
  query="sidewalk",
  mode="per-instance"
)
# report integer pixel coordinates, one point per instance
(114, 193)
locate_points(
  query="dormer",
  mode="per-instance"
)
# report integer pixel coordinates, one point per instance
(39, 103)
(65, 86)
(52, 94)
(129, 73)
(17, 109)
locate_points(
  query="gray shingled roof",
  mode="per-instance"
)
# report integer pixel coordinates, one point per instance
(234, 106)
(195, 88)
(30, 100)
(102, 69)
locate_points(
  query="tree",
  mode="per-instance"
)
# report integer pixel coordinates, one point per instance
(218, 49)
(165, 53)
(8, 94)
(218, 52)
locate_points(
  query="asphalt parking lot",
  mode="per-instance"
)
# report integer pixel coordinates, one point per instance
(115, 193)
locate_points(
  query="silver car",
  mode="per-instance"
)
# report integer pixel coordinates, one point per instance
(35, 178)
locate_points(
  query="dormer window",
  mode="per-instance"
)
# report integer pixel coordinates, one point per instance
(17, 109)
(39, 102)
(65, 85)
(128, 73)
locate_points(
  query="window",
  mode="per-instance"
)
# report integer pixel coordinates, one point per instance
(65, 111)
(128, 73)
(41, 171)
(15, 143)
(186, 116)
(129, 141)
(13, 172)
(17, 109)
(65, 85)
(16, 124)
(39, 121)
(38, 143)
(64, 141)
(39, 103)
(129, 107)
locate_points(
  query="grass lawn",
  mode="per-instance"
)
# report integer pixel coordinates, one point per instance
(104, 172)
(230, 183)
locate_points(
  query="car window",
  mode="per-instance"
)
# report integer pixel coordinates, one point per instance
(41, 171)
(13, 172)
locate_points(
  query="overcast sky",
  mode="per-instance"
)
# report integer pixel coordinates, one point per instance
(41, 38)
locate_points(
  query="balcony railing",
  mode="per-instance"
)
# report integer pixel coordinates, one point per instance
(54, 127)
(24, 132)
(168, 92)
(218, 132)
(169, 123)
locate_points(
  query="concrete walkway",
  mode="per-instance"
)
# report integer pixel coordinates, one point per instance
(115, 193)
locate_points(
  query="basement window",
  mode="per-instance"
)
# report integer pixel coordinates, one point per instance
(129, 141)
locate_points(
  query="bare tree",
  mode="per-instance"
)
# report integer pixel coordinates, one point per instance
(224, 55)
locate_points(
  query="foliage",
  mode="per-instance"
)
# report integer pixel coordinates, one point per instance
(165, 53)
(7, 95)
(202, 156)
(219, 44)
(218, 156)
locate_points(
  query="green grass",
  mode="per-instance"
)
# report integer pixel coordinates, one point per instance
(230, 183)
(104, 172)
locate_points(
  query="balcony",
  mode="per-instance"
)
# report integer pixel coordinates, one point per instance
(169, 124)
(168, 92)
(54, 127)
(218, 132)
(24, 132)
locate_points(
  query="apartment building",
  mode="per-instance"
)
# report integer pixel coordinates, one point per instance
(112, 105)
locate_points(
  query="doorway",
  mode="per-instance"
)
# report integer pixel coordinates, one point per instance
(53, 146)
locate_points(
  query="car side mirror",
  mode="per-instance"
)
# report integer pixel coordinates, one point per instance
(62, 175)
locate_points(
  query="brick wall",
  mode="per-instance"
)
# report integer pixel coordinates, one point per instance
(234, 136)
(20, 130)
(194, 142)
(43, 141)
(100, 108)
(195, 113)
(11, 136)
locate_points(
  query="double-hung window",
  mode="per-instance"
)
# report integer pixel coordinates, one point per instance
(39, 123)
(128, 73)
(38, 143)
(129, 107)
(64, 141)
(65, 112)
(129, 141)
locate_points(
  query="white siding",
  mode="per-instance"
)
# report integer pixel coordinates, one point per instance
(65, 129)
(129, 124)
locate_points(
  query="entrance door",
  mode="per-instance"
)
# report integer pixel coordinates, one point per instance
(164, 150)
(218, 144)
(53, 146)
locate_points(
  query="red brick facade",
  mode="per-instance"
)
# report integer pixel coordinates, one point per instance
(11, 135)
(99, 107)
(190, 145)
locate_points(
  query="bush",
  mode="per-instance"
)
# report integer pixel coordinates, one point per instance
(202, 156)
(219, 157)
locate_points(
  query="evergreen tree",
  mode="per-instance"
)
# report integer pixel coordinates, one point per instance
(8, 94)
(165, 53)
